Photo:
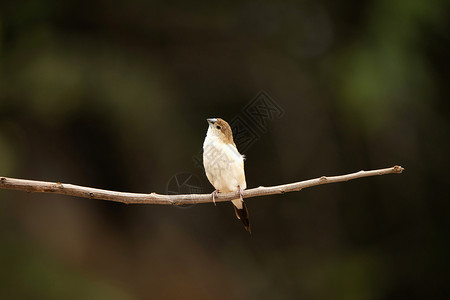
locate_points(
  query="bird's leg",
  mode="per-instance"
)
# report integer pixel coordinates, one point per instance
(240, 193)
(214, 195)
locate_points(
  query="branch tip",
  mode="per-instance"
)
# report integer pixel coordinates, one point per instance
(398, 169)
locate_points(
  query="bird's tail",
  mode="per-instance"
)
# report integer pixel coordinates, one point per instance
(242, 213)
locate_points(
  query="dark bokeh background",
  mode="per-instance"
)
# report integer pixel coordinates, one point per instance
(115, 96)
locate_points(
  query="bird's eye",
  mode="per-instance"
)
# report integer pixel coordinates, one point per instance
(218, 127)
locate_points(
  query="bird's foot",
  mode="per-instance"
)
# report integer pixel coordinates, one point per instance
(214, 195)
(240, 194)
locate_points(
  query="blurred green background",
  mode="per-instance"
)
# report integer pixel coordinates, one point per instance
(115, 96)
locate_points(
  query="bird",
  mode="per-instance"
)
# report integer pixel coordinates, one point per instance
(224, 166)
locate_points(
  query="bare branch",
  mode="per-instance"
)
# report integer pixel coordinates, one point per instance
(33, 186)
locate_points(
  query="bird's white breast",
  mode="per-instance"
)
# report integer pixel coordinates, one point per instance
(224, 165)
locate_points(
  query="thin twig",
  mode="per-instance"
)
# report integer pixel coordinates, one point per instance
(32, 186)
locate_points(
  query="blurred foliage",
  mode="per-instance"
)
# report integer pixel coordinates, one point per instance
(115, 95)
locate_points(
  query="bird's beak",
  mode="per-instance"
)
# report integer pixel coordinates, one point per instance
(211, 121)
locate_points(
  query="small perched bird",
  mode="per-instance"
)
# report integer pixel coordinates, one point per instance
(224, 165)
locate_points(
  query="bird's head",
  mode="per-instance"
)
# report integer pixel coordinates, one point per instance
(219, 128)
